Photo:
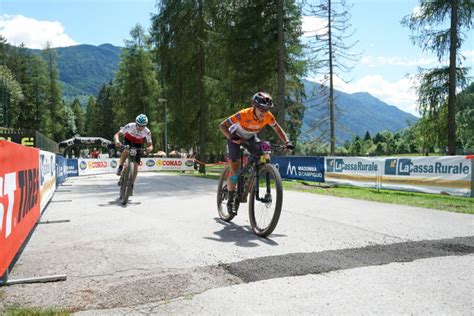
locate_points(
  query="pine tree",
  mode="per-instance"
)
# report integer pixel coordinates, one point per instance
(105, 104)
(136, 88)
(437, 84)
(79, 117)
(55, 105)
(92, 118)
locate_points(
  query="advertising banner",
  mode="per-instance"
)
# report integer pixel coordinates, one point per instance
(61, 169)
(169, 164)
(100, 166)
(93, 166)
(447, 175)
(358, 171)
(72, 168)
(47, 177)
(300, 168)
(19, 198)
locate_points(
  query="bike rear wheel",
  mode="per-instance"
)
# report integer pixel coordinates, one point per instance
(264, 215)
(223, 196)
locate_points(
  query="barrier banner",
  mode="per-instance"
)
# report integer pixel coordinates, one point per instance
(72, 168)
(93, 166)
(61, 169)
(358, 171)
(300, 168)
(48, 177)
(169, 164)
(447, 175)
(80, 167)
(113, 164)
(19, 198)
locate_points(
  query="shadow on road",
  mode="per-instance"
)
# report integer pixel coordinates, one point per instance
(118, 202)
(241, 236)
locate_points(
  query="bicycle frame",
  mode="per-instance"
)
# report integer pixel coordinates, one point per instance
(253, 162)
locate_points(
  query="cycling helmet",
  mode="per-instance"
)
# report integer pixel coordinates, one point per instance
(141, 120)
(262, 100)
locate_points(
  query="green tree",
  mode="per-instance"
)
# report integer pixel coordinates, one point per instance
(367, 136)
(197, 53)
(104, 102)
(10, 96)
(136, 88)
(92, 127)
(53, 95)
(440, 83)
(79, 117)
(465, 118)
(70, 119)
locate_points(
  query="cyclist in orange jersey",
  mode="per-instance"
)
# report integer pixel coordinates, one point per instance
(243, 126)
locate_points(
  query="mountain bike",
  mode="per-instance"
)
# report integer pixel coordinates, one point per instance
(126, 178)
(258, 180)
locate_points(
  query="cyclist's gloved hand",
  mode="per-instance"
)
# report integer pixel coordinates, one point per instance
(118, 145)
(236, 138)
(289, 145)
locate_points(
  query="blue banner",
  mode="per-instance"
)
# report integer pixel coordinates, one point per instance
(300, 168)
(61, 169)
(72, 168)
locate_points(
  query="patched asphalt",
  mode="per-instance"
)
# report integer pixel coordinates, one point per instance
(167, 252)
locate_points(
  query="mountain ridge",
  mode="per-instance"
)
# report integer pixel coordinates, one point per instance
(352, 113)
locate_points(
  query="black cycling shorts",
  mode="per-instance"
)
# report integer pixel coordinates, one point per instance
(233, 149)
(135, 145)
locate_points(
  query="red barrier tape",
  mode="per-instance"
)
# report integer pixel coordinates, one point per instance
(210, 164)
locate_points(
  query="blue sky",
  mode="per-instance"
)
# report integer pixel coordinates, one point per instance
(388, 56)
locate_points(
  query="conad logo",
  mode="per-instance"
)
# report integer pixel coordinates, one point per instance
(97, 164)
(174, 163)
(83, 165)
(150, 163)
(189, 163)
(113, 164)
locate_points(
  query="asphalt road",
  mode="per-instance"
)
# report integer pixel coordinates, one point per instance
(167, 252)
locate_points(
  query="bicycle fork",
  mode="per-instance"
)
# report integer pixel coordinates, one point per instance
(268, 197)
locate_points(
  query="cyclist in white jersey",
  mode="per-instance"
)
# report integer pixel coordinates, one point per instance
(134, 135)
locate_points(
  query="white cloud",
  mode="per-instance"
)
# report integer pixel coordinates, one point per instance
(376, 61)
(32, 33)
(400, 93)
(469, 57)
(313, 26)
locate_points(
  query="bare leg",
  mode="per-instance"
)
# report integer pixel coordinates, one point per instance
(123, 157)
(234, 166)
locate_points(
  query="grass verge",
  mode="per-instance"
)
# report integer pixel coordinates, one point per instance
(33, 311)
(450, 203)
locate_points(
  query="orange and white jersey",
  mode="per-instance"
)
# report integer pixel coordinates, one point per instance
(131, 134)
(245, 124)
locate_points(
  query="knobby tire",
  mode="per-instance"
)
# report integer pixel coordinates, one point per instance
(222, 196)
(278, 199)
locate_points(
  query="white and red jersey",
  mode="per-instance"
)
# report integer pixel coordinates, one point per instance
(131, 134)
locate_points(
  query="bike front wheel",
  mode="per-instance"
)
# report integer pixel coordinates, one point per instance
(223, 196)
(265, 208)
(126, 186)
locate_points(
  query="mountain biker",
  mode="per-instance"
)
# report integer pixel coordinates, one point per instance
(243, 126)
(134, 134)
